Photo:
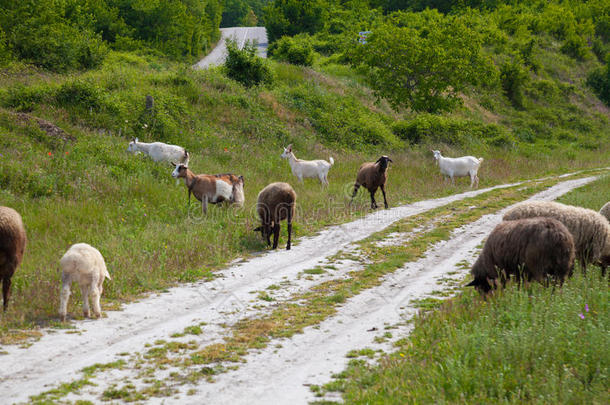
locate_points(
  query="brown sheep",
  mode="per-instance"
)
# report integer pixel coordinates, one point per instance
(590, 230)
(373, 176)
(211, 188)
(12, 247)
(275, 203)
(533, 248)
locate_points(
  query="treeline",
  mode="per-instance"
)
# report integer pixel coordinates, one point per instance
(421, 54)
(60, 35)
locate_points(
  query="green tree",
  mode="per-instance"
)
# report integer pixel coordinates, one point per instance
(245, 66)
(291, 17)
(234, 12)
(423, 61)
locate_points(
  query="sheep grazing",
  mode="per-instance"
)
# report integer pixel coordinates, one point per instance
(211, 188)
(373, 176)
(531, 248)
(591, 231)
(275, 203)
(308, 168)
(605, 211)
(12, 247)
(159, 151)
(85, 265)
(459, 167)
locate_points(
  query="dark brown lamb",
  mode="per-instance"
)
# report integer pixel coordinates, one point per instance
(275, 203)
(373, 176)
(531, 248)
(12, 247)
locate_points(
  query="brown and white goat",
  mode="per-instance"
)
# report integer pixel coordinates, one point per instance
(211, 188)
(372, 176)
(275, 203)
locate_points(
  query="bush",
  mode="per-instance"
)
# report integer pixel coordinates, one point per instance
(513, 77)
(59, 47)
(448, 130)
(599, 81)
(244, 66)
(295, 50)
(80, 93)
(575, 47)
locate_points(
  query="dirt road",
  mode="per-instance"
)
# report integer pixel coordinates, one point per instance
(240, 35)
(309, 358)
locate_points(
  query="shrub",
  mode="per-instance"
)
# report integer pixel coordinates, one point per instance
(59, 46)
(22, 98)
(599, 81)
(80, 93)
(295, 50)
(513, 78)
(244, 66)
(575, 47)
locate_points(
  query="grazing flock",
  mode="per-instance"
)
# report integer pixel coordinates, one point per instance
(536, 240)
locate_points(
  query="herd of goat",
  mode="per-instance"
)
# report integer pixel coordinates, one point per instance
(536, 240)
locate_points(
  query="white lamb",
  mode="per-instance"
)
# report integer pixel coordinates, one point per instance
(85, 265)
(308, 168)
(159, 151)
(459, 167)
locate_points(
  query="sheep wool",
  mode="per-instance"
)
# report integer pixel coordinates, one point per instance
(12, 247)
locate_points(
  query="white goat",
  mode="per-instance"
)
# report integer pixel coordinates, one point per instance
(159, 151)
(308, 168)
(84, 264)
(459, 167)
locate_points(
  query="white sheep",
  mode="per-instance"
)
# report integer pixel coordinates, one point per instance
(459, 167)
(591, 231)
(159, 151)
(85, 265)
(308, 168)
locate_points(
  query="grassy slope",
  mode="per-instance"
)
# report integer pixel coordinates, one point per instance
(521, 346)
(89, 189)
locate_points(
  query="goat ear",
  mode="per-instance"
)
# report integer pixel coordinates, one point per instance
(473, 283)
(289, 148)
(390, 160)
(260, 228)
(173, 164)
(378, 160)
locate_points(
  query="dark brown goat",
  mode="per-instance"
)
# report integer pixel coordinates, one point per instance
(12, 247)
(275, 203)
(372, 176)
(531, 248)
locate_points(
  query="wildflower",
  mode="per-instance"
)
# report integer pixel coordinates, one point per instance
(581, 316)
(402, 355)
(50, 154)
(144, 214)
(66, 152)
(226, 150)
(586, 307)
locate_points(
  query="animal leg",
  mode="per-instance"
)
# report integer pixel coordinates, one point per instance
(385, 202)
(301, 179)
(204, 205)
(276, 234)
(63, 300)
(373, 202)
(6, 291)
(95, 300)
(85, 288)
(356, 187)
(289, 221)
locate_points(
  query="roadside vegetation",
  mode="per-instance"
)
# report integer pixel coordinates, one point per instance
(65, 123)
(533, 344)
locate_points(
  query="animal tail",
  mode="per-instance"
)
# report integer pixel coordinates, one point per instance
(332, 161)
(480, 160)
(108, 275)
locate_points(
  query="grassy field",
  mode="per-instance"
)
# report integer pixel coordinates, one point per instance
(529, 345)
(82, 185)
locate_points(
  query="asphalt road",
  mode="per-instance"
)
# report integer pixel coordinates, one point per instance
(241, 35)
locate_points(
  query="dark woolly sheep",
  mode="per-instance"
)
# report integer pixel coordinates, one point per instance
(373, 176)
(531, 248)
(275, 203)
(590, 230)
(12, 247)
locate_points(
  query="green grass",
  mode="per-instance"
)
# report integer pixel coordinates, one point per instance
(528, 345)
(88, 189)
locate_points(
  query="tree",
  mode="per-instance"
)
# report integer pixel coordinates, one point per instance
(291, 17)
(423, 61)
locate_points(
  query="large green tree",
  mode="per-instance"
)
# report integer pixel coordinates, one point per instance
(291, 17)
(423, 61)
